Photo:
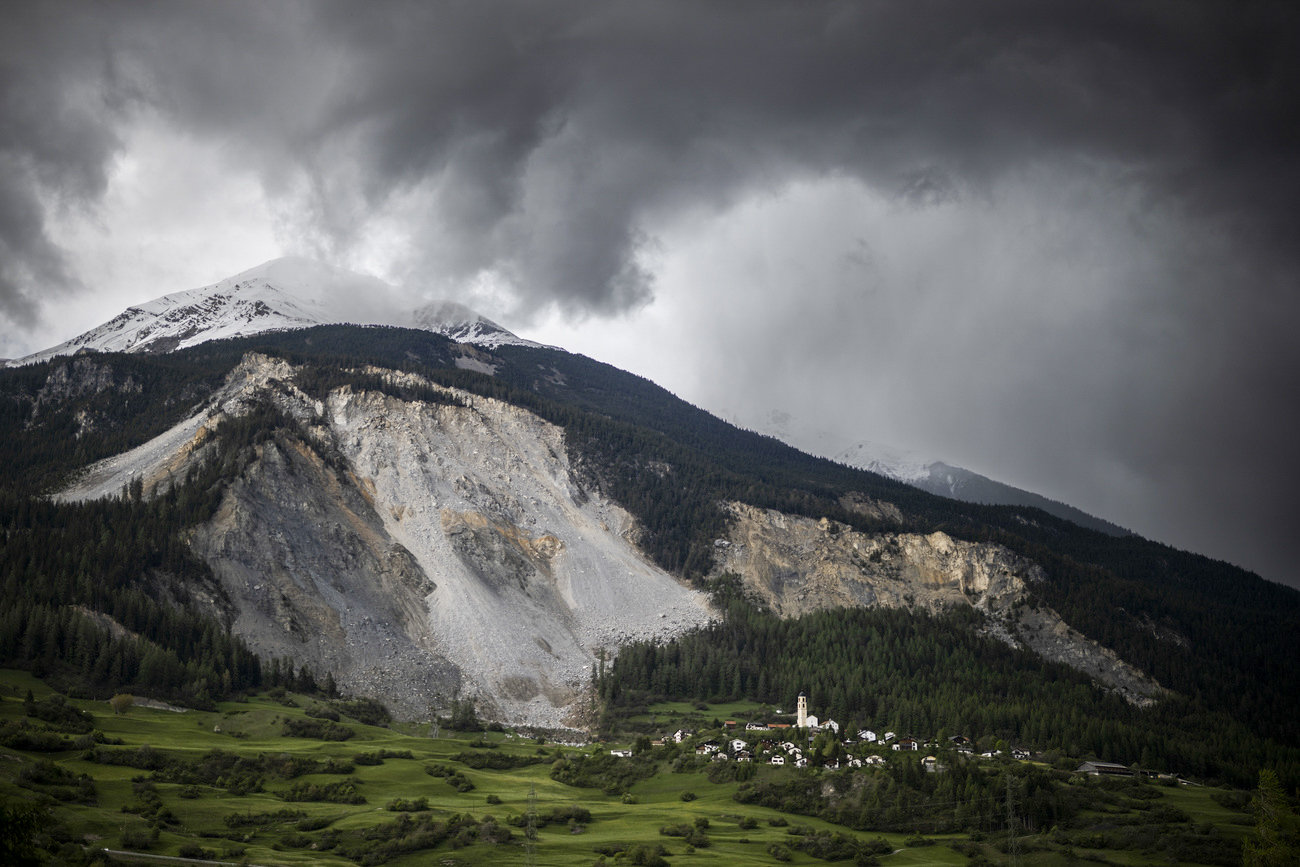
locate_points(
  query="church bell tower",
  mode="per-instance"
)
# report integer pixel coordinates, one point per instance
(802, 711)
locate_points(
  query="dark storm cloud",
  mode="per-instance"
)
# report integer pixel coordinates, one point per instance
(57, 135)
(548, 143)
(548, 135)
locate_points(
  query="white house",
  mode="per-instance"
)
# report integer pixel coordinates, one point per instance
(737, 745)
(681, 735)
(755, 727)
(832, 725)
(778, 760)
(622, 754)
(875, 760)
(810, 722)
(867, 735)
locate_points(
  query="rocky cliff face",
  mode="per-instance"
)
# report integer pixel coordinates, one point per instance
(797, 565)
(419, 551)
(423, 552)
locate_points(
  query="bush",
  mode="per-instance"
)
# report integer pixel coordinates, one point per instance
(400, 805)
(688, 796)
(342, 792)
(366, 711)
(315, 823)
(254, 820)
(456, 779)
(321, 730)
(610, 774)
(377, 757)
(138, 837)
(640, 854)
(496, 761)
(55, 712)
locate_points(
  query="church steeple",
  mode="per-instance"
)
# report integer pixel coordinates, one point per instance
(802, 718)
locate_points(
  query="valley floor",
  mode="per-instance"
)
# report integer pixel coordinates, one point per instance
(231, 785)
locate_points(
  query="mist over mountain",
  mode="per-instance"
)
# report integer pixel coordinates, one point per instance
(921, 471)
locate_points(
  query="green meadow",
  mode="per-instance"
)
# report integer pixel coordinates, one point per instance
(229, 785)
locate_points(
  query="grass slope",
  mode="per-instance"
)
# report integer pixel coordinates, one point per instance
(205, 818)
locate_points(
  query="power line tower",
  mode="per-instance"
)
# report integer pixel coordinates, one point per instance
(1013, 843)
(530, 829)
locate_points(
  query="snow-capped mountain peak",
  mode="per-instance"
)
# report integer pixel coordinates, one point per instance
(281, 294)
(460, 323)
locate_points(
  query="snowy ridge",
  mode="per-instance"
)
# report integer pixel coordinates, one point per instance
(278, 295)
(460, 323)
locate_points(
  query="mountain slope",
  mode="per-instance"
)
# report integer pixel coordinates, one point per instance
(373, 498)
(453, 554)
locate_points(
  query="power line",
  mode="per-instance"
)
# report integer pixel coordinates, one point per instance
(530, 829)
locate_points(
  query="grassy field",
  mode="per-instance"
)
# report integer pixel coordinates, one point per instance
(264, 828)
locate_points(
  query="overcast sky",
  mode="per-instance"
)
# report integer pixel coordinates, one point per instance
(1055, 243)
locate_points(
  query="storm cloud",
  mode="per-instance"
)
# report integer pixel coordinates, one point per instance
(1052, 242)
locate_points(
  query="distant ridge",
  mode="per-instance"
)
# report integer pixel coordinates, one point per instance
(947, 480)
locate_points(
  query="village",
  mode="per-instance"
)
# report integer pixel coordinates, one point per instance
(812, 742)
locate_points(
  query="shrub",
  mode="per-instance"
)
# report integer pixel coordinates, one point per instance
(455, 778)
(191, 849)
(137, 838)
(315, 823)
(55, 712)
(400, 805)
(253, 820)
(688, 795)
(318, 712)
(321, 730)
(342, 792)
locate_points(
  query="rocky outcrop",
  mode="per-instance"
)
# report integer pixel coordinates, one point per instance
(420, 552)
(798, 565)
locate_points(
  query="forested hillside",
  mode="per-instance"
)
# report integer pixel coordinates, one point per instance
(1221, 638)
(931, 677)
